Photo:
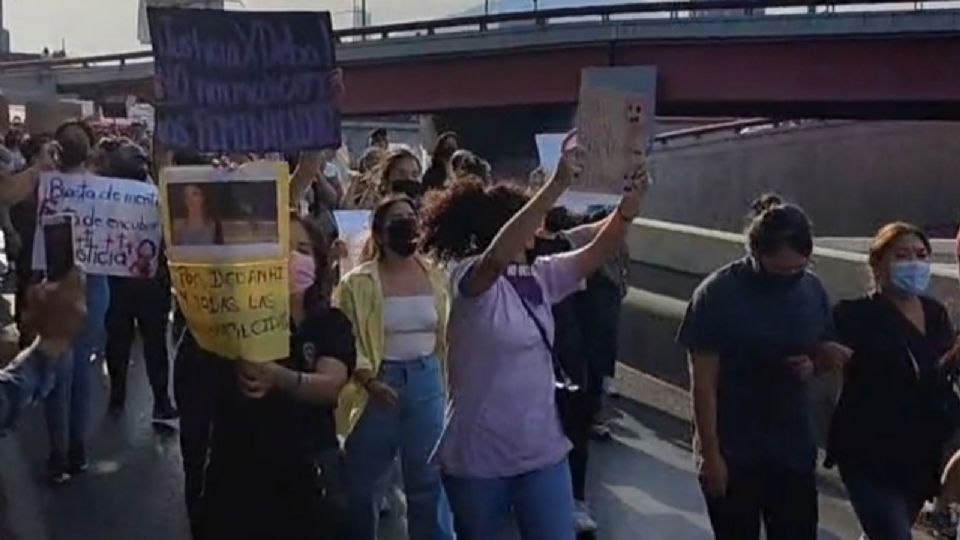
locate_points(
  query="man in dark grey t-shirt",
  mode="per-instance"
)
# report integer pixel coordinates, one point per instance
(756, 330)
(763, 337)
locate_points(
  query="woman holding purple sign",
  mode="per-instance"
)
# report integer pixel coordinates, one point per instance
(503, 450)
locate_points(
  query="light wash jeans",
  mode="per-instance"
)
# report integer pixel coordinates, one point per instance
(541, 502)
(67, 407)
(412, 428)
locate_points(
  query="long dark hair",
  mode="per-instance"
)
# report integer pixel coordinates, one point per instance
(776, 225)
(436, 175)
(378, 222)
(318, 295)
(462, 220)
(74, 153)
(210, 209)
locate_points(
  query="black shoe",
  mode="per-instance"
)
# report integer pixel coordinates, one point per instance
(164, 413)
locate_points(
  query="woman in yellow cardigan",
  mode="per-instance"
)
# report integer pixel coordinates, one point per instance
(395, 401)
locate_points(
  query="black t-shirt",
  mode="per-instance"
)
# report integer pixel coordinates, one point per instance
(763, 411)
(886, 423)
(279, 432)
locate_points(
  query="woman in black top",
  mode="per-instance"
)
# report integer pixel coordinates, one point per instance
(272, 421)
(896, 408)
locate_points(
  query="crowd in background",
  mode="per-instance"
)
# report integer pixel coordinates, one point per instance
(464, 361)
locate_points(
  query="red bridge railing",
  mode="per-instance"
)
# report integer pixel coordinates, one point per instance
(484, 23)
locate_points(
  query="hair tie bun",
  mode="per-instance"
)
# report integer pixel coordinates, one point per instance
(765, 202)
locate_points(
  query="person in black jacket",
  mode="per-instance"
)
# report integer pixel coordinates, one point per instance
(896, 409)
(137, 302)
(575, 407)
(271, 421)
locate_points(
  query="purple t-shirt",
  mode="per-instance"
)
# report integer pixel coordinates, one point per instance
(502, 419)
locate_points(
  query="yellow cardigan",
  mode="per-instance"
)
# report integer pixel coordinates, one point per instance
(360, 297)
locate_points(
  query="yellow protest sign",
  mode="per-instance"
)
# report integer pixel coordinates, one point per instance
(236, 311)
(227, 240)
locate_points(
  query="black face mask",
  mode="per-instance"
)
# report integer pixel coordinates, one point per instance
(410, 188)
(778, 281)
(402, 236)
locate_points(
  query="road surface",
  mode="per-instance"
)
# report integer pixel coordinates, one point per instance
(642, 484)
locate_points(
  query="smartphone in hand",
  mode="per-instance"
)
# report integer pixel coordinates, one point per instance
(58, 244)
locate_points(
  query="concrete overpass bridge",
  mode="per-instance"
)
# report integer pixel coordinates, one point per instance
(724, 58)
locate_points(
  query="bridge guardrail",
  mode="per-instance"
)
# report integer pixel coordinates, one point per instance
(483, 23)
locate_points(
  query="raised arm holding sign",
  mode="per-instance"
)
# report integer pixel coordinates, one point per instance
(611, 133)
(230, 81)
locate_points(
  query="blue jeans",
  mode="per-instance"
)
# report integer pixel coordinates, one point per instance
(412, 428)
(885, 513)
(541, 502)
(67, 408)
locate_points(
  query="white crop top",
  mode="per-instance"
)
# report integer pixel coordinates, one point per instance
(409, 327)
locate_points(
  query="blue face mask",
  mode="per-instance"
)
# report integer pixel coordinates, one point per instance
(911, 277)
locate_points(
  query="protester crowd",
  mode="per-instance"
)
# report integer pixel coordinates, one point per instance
(465, 359)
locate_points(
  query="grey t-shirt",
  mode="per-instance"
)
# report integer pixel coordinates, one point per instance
(763, 411)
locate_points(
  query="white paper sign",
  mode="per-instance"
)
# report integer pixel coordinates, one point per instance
(354, 228)
(116, 222)
(548, 148)
(610, 130)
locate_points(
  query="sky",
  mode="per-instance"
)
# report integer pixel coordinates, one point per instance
(109, 26)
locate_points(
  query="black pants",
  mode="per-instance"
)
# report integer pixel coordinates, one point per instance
(576, 416)
(783, 499)
(193, 387)
(600, 326)
(254, 501)
(144, 305)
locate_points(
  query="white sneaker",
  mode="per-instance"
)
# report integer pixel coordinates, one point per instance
(582, 521)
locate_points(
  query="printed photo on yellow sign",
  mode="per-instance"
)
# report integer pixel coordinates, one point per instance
(227, 243)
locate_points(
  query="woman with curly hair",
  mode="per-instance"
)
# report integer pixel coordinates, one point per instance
(397, 173)
(503, 450)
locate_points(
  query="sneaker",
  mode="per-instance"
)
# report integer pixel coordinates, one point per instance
(600, 432)
(165, 414)
(78, 462)
(57, 471)
(582, 521)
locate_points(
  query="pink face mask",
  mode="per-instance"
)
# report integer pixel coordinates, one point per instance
(303, 272)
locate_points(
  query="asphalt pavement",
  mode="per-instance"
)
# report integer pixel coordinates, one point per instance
(642, 483)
